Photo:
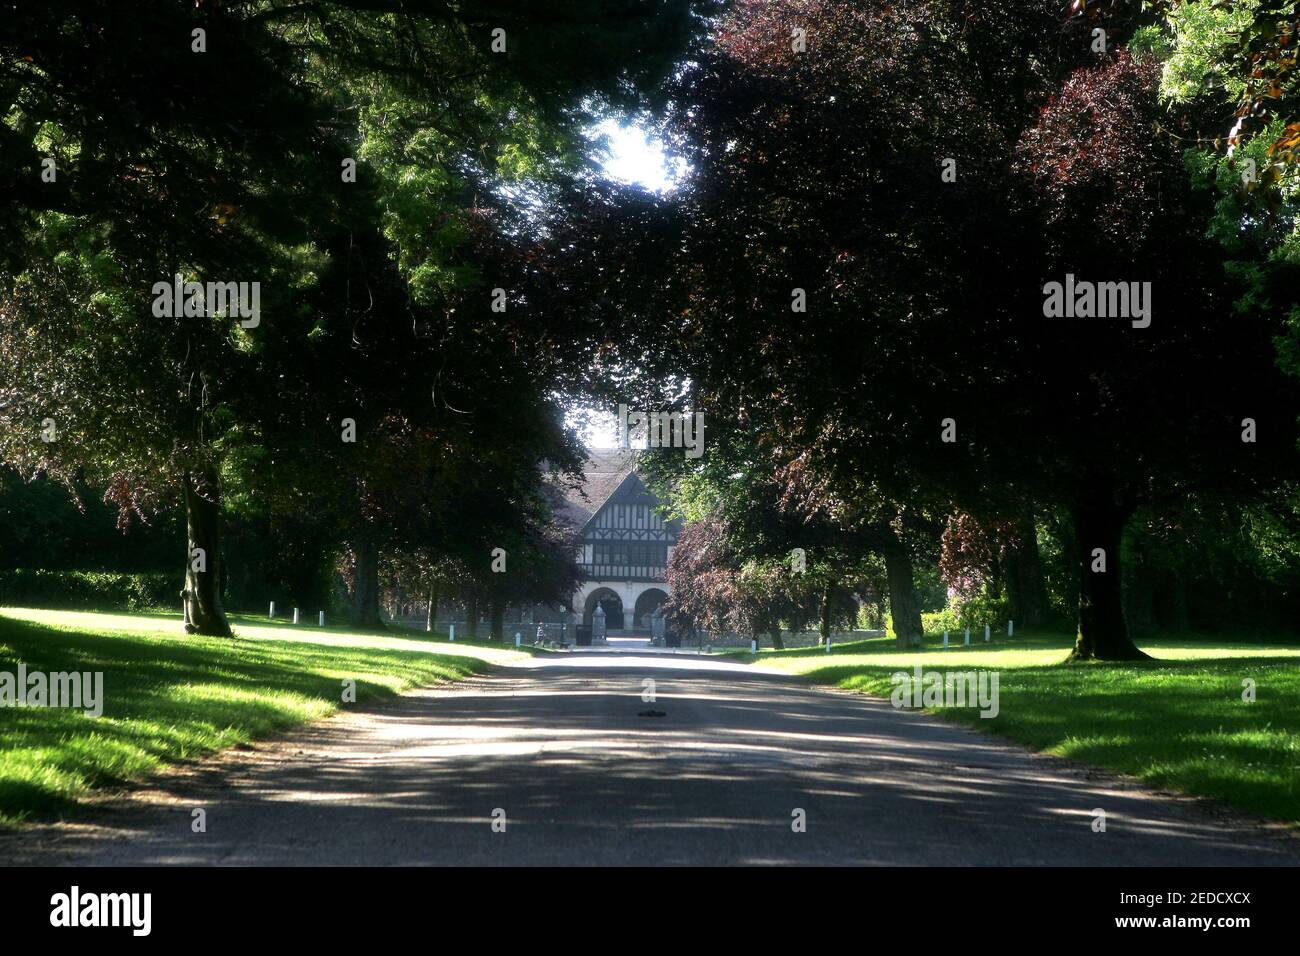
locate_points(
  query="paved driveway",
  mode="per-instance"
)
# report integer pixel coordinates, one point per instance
(565, 748)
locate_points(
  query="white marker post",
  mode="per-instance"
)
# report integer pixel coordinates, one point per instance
(828, 643)
(986, 633)
(1011, 628)
(967, 640)
(271, 613)
(518, 638)
(945, 638)
(753, 646)
(295, 615)
(322, 618)
(453, 632)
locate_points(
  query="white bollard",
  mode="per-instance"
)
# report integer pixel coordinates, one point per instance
(753, 646)
(453, 632)
(1011, 628)
(271, 613)
(295, 615)
(967, 640)
(828, 643)
(986, 633)
(322, 618)
(945, 638)
(518, 638)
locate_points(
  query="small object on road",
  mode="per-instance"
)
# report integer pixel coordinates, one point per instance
(652, 713)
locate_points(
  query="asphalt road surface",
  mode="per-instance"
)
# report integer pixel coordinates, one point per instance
(565, 748)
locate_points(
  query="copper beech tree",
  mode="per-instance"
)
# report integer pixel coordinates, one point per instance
(893, 189)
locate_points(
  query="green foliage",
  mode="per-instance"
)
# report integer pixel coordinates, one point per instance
(936, 622)
(987, 606)
(226, 166)
(89, 590)
(1149, 42)
(41, 526)
(1204, 34)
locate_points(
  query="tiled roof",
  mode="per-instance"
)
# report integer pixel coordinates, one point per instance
(605, 470)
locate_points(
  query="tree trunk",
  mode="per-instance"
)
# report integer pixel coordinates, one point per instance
(432, 617)
(1026, 587)
(824, 629)
(498, 611)
(1033, 585)
(776, 639)
(904, 611)
(202, 595)
(1015, 599)
(1099, 524)
(365, 583)
(471, 624)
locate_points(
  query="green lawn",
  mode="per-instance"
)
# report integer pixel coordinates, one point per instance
(1178, 722)
(170, 697)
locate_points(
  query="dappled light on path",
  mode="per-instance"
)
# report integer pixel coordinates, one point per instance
(561, 746)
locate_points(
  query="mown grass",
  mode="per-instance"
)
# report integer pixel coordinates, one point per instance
(1178, 722)
(170, 697)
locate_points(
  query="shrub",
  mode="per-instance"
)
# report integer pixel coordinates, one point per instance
(936, 622)
(89, 590)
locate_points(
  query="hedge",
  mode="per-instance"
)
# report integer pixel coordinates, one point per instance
(89, 590)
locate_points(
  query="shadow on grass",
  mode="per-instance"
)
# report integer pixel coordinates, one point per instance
(1183, 724)
(171, 698)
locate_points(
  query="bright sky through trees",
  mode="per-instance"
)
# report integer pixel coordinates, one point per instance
(634, 155)
(630, 154)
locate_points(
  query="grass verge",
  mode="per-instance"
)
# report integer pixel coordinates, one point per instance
(1178, 722)
(170, 697)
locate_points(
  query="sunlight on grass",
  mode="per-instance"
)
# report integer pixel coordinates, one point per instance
(1178, 722)
(170, 696)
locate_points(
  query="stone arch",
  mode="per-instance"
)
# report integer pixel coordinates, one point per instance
(608, 599)
(647, 602)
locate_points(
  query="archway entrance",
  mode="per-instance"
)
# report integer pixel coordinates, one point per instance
(649, 601)
(612, 605)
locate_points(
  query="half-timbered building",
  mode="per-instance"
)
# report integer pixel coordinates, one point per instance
(624, 543)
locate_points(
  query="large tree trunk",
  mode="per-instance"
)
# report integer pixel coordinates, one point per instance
(776, 638)
(1099, 524)
(498, 612)
(904, 610)
(365, 582)
(202, 595)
